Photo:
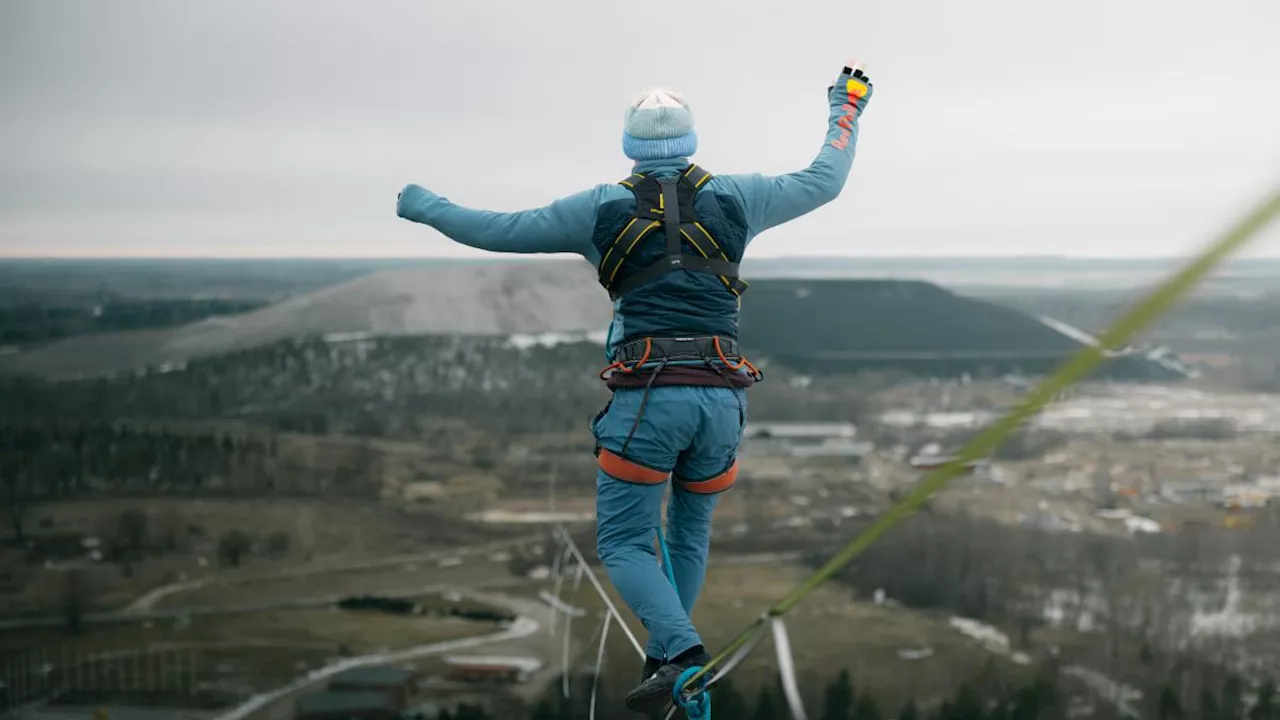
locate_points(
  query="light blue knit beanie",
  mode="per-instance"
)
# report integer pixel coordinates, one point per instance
(658, 126)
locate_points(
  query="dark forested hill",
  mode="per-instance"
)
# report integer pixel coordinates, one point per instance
(843, 326)
(814, 317)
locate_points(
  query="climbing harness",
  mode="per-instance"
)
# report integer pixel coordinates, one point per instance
(666, 202)
(681, 350)
(633, 356)
(720, 354)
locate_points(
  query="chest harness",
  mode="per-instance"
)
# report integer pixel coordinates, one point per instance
(667, 203)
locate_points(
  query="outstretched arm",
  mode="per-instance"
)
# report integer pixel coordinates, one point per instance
(563, 226)
(772, 200)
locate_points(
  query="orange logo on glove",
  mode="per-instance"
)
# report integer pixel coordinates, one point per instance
(856, 90)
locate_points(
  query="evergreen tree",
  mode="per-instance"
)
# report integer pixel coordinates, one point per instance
(766, 709)
(967, 706)
(1232, 704)
(470, 712)
(1146, 655)
(1168, 707)
(1208, 705)
(837, 699)
(1264, 708)
(909, 711)
(726, 701)
(866, 708)
(541, 711)
(1032, 702)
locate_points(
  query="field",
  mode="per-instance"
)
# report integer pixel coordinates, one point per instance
(182, 539)
(324, 629)
(407, 579)
(235, 654)
(829, 631)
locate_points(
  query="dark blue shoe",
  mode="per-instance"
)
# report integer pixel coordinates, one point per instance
(651, 666)
(655, 692)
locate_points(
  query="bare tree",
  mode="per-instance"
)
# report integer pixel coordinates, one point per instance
(75, 600)
(132, 529)
(18, 487)
(233, 546)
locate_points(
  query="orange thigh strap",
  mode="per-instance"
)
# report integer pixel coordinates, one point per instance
(624, 469)
(712, 485)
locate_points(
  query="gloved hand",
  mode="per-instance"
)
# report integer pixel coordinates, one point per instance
(411, 201)
(852, 78)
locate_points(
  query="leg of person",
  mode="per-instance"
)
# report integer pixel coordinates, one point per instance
(626, 515)
(640, 438)
(703, 472)
(706, 468)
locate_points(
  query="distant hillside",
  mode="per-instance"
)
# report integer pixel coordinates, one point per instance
(498, 298)
(84, 281)
(809, 325)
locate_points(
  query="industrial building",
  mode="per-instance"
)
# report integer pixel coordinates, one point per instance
(373, 692)
(491, 669)
(347, 706)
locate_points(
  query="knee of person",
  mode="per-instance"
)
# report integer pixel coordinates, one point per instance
(611, 542)
(688, 539)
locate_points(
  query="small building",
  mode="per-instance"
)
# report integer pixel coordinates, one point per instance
(1193, 491)
(797, 430)
(491, 669)
(816, 439)
(396, 683)
(931, 457)
(1242, 495)
(347, 706)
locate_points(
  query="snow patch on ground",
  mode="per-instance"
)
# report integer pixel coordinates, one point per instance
(522, 341)
(1125, 698)
(990, 637)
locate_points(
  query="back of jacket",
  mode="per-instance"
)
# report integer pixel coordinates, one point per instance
(734, 209)
(678, 303)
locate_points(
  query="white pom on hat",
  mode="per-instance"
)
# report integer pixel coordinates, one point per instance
(658, 124)
(658, 97)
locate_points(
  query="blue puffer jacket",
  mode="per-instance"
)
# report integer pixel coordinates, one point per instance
(740, 207)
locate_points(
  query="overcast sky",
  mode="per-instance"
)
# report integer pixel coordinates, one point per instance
(274, 128)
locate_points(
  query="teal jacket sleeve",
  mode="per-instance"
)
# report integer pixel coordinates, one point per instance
(769, 201)
(564, 226)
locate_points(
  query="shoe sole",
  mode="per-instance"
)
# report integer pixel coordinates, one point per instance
(649, 700)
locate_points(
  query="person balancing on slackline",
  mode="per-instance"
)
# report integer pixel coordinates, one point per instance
(666, 242)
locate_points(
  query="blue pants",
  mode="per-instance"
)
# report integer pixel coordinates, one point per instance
(692, 433)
